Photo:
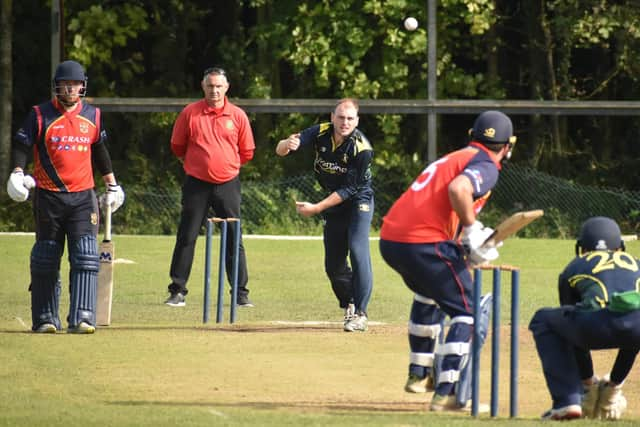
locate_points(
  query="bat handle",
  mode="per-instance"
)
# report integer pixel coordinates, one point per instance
(107, 222)
(490, 240)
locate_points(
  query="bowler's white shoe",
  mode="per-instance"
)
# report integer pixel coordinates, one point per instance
(358, 322)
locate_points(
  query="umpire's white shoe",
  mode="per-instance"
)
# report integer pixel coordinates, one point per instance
(569, 412)
(358, 323)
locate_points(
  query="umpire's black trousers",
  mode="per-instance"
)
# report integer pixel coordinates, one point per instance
(197, 197)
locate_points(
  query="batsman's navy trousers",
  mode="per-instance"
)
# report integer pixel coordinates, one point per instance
(197, 197)
(559, 332)
(434, 270)
(65, 214)
(438, 271)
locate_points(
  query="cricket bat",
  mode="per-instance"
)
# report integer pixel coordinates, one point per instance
(511, 225)
(105, 275)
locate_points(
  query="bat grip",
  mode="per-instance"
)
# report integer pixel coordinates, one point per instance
(490, 240)
(107, 222)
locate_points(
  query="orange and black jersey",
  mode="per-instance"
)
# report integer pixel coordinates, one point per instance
(345, 169)
(424, 214)
(64, 145)
(592, 278)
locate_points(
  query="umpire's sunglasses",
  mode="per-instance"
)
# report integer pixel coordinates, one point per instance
(214, 70)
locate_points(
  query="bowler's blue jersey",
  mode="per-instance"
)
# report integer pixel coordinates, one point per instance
(345, 169)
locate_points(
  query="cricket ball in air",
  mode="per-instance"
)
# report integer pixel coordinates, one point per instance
(28, 182)
(411, 23)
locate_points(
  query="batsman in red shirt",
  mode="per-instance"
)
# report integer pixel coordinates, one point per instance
(431, 237)
(66, 138)
(213, 139)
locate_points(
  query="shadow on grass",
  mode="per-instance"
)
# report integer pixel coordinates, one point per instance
(362, 406)
(204, 328)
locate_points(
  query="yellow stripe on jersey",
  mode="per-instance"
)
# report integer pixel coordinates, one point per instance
(363, 145)
(573, 281)
(324, 127)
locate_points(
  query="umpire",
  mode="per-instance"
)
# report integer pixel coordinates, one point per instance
(66, 137)
(600, 309)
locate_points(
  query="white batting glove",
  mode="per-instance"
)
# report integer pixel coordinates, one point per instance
(482, 256)
(18, 186)
(612, 403)
(114, 197)
(472, 238)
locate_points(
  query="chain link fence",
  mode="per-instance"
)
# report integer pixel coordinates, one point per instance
(268, 207)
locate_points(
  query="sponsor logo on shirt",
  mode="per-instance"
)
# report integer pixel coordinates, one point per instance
(329, 167)
(71, 139)
(476, 175)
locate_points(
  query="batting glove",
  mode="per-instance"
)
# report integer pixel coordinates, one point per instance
(612, 403)
(18, 186)
(472, 238)
(114, 197)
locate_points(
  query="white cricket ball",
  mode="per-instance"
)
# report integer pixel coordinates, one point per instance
(28, 182)
(411, 23)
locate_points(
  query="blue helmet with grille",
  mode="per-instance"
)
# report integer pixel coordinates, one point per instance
(69, 71)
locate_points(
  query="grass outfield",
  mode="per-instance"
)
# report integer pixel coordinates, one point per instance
(284, 362)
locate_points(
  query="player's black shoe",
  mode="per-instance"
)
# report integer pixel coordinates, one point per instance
(176, 300)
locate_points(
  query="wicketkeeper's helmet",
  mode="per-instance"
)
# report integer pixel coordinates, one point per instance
(599, 233)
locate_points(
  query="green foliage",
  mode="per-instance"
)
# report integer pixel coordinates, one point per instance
(15, 217)
(97, 32)
(569, 49)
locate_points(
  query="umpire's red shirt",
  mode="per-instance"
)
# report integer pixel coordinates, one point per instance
(214, 142)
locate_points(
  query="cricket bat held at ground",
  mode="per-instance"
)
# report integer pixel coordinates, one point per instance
(105, 275)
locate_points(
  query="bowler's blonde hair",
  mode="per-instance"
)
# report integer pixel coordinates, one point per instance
(352, 101)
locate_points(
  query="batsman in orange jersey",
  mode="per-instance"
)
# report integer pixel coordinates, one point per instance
(65, 137)
(431, 237)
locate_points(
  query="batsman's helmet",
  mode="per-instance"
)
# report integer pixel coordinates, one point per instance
(599, 233)
(493, 127)
(69, 70)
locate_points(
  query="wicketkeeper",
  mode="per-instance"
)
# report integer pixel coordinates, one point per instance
(66, 137)
(600, 309)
